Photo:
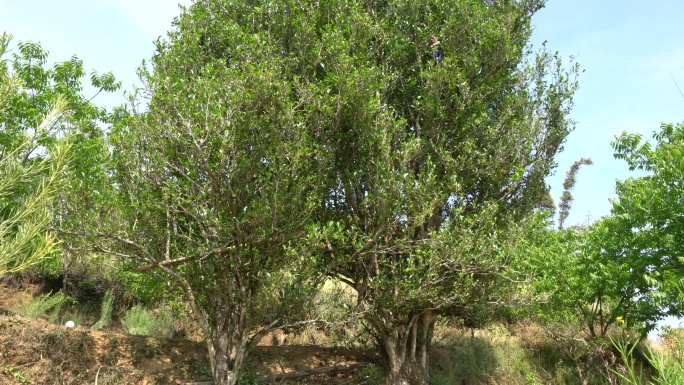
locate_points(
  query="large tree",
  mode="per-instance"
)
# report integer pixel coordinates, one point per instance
(436, 162)
(265, 118)
(218, 180)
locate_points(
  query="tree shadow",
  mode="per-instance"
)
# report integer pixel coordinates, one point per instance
(462, 358)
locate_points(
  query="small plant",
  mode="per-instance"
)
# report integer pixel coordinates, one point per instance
(106, 311)
(667, 361)
(141, 321)
(41, 305)
(19, 377)
(55, 313)
(249, 375)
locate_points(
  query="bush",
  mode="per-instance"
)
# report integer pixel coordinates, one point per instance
(41, 305)
(140, 321)
(106, 311)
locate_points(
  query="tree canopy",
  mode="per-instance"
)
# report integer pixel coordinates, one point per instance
(266, 119)
(651, 208)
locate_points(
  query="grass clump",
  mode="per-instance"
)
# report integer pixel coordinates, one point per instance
(140, 321)
(666, 361)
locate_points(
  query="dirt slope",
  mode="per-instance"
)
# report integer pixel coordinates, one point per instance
(34, 351)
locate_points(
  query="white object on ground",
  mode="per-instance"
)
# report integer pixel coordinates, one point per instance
(70, 324)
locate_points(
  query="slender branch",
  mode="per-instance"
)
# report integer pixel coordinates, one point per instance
(222, 250)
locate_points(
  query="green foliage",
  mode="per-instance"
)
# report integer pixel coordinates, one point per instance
(624, 270)
(140, 321)
(106, 311)
(44, 178)
(665, 360)
(651, 207)
(56, 314)
(40, 305)
(409, 177)
(76, 315)
(669, 361)
(591, 277)
(433, 166)
(28, 180)
(370, 375)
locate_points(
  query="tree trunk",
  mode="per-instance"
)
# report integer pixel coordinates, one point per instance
(226, 345)
(224, 368)
(408, 351)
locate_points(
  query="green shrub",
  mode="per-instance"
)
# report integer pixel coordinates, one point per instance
(106, 311)
(141, 321)
(40, 305)
(55, 314)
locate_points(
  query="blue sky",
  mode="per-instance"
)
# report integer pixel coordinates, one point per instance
(108, 35)
(630, 51)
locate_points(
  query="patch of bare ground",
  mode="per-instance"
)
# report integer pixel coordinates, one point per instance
(34, 351)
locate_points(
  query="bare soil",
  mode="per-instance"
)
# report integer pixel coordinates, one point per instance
(34, 351)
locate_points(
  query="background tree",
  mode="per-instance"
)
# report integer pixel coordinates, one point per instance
(28, 180)
(625, 269)
(33, 127)
(651, 207)
(590, 276)
(568, 185)
(628, 264)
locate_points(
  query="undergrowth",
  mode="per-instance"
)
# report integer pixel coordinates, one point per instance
(38, 306)
(140, 321)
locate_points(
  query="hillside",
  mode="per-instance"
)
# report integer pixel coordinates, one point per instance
(34, 351)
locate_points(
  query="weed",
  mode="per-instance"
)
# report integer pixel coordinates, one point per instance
(78, 317)
(6, 348)
(106, 310)
(114, 342)
(140, 321)
(248, 375)
(370, 375)
(111, 376)
(40, 305)
(112, 355)
(142, 351)
(199, 370)
(17, 376)
(49, 339)
(54, 315)
(667, 362)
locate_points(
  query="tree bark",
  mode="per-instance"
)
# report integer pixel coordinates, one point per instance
(407, 349)
(224, 367)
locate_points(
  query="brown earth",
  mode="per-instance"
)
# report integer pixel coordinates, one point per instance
(34, 351)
